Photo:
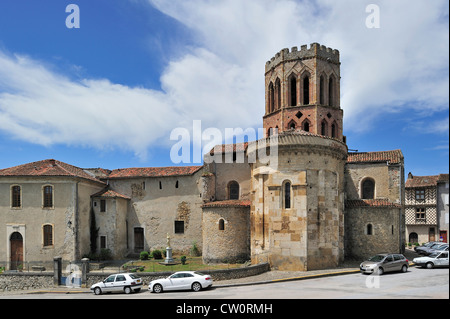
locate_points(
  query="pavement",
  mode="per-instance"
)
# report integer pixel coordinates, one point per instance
(272, 276)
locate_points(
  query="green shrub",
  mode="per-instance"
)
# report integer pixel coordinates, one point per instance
(183, 260)
(144, 255)
(195, 252)
(156, 254)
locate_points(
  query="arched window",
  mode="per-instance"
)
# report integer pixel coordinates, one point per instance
(47, 196)
(287, 194)
(221, 224)
(176, 184)
(413, 238)
(322, 90)
(233, 190)
(368, 189)
(333, 130)
(306, 126)
(323, 128)
(48, 235)
(369, 229)
(306, 90)
(292, 125)
(16, 196)
(331, 92)
(278, 94)
(271, 98)
(293, 90)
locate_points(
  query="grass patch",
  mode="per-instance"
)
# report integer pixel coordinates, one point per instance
(192, 264)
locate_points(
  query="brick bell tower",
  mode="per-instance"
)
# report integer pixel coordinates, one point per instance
(303, 91)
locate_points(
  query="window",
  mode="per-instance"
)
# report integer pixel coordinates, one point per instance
(120, 278)
(271, 98)
(103, 205)
(323, 128)
(306, 90)
(420, 194)
(103, 242)
(233, 190)
(369, 229)
(368, 189)
(48, 235)
(48, 196)
(331, 92)
(287, 195)
(306, 126)
(293, 89)
(16, 197)
(333, 130)
(221, 224)
(160, 185)
(278, 94)
(176, 184)
(322, 96)
(420, 215)
(179, 227)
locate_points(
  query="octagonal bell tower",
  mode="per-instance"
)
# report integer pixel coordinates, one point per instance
(303, 91)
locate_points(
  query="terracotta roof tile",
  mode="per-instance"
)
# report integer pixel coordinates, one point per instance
(49, 167)
(391, 157)
(154, 171)
(422, 181)
(227, 148)
(229, 203)
(355, 203)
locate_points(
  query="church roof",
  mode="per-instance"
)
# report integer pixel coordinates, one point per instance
(154, 171)
(48, 167)
(228, 203)
(109, 193)
(390, 157)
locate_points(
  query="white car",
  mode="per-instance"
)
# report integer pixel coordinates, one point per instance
(126, 282)
(182, 280)
(436, 259)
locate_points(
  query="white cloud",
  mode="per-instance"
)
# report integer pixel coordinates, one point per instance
(404, 64)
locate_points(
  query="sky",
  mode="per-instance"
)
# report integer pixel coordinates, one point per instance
(109, 92)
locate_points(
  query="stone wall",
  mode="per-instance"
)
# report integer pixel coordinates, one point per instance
(25, 281)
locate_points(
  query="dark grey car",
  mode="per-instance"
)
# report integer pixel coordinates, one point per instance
(382, 263)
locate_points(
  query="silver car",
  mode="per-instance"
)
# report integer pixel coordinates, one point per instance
(182, 280)
(126, 282)
(382, 263)
(436, 259)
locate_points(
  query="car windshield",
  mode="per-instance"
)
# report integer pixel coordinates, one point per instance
(376, 258)
(133, 276)
(433, 255)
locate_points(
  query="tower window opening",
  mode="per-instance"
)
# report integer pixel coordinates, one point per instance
(293, 88)
(322, 93)
(271, 97)
(287, 195)
(221, 224)
(331, 92)
(306, 90)
(306, 126)
(323, 129)
(368, 189)
(333, 130)
(278, 94)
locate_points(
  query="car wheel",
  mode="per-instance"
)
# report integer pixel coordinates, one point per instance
(404, 268)
(157, 288)
(127, 290)
(97, 291)
(430, 265)
(196, 286)
(380, 271)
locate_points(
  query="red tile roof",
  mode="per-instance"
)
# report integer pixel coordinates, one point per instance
(391, 157)
(355, 203)
(154, 171)
(422, 181)
(227, 148)
(229, 203)
(48, 167)
(109, 193)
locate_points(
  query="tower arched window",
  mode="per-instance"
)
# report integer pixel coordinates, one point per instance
(323, 128)
(322, 90)
(221, 224)
(278, 94)
(233, 190)
(293, 90)
(306, 126)
(331, 97)
(287, 194)
(306, 90)
(271, 98)
(333, 130)
(368, 189)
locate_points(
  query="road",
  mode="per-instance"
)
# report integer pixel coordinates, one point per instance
(416, 283)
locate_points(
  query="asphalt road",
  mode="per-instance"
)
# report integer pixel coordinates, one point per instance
(416, 283)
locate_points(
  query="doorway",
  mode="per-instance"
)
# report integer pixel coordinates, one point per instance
(138, 239)
(16, 245)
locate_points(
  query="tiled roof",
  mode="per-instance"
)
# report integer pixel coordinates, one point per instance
(355, 203)
(229, 203)
(48, 167)
(154, 171)
(391, 157)
(443, 178)
(227, 148)
(422, 181)
(109, 193)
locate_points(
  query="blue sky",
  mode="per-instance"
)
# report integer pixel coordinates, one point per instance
(108, 94)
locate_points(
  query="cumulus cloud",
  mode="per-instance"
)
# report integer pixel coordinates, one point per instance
(402, 65)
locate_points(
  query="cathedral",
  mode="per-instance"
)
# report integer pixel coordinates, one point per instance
(310, 206)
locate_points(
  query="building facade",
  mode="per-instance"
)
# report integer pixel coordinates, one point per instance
(307, 206)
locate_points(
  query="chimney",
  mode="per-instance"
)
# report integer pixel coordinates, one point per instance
(410, 175)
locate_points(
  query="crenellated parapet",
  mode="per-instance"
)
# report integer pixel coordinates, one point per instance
(314, 51)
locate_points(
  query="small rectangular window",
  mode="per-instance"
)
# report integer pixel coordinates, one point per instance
(420, 194)
(179, 227)
(103, 205)
(103, 242)
(48, 235)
